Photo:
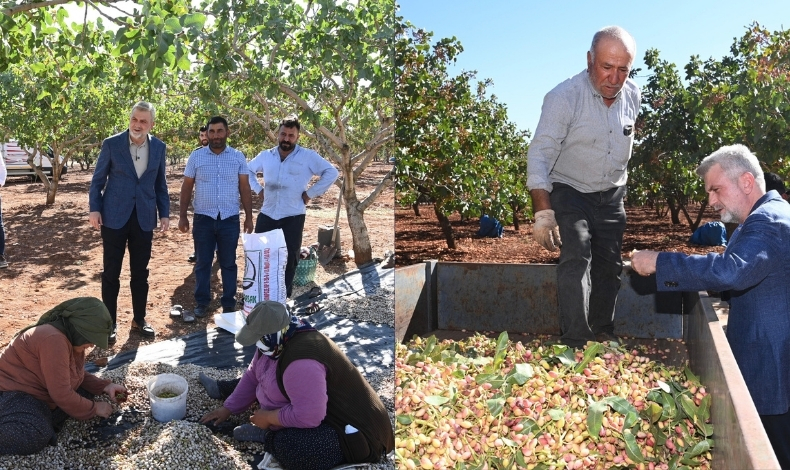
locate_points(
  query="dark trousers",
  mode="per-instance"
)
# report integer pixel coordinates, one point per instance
(210, 234)
(115, 242)
(588, 276)
(27, 425)
(305, 448)
(2, 230)
(292, 231)
(778, 429)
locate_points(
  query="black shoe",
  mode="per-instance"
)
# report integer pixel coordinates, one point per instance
(144, 328)
(192, 258)
(3, 262)
(113, 334)
(229, 309)
(201, 311)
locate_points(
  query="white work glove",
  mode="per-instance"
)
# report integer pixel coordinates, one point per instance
(546, 231)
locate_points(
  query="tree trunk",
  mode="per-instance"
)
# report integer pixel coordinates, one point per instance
(674, 210)
(360, 241)
(51, 192)
(515, 207)
(695, 224)
(447, 229)
(416, 207)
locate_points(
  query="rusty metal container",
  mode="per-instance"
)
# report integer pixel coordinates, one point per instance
(449, 299)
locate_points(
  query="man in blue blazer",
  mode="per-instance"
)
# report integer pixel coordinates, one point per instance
(754, 269)
(127, 190)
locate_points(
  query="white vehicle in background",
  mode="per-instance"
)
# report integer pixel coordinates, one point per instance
(15, 158)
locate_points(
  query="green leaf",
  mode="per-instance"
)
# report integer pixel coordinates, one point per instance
(567, 357)
(519, 457)
(631, 419)
(404, 419)
(521, 373)
(632, 447)
(688, 406)
(495, 406)
(557, 414)
(501, 349)
(659, 435)
(589, 354)
(670, 408)
(690, 375)
(595, 418)
(184, 63)
(436, 400)
(429, 345)
(173, 25)
(530, 426)
(495, 380)
(699, 448)
(653, 412)
(193, 20)
(620, 405)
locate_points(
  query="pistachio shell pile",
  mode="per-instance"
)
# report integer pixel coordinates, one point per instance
(482, 403)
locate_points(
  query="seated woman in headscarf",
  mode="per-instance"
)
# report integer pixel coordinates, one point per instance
(43, 380)
(317, 411)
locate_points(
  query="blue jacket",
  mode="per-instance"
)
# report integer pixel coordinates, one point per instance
(755, 268)
(116, 190)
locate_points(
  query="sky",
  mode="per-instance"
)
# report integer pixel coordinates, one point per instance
(527, 47)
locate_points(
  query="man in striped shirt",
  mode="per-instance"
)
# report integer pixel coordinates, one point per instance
(219, 176)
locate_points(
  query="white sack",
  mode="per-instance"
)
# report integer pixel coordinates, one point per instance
(264, 269)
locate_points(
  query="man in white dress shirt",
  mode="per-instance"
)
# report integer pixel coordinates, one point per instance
(287, 170)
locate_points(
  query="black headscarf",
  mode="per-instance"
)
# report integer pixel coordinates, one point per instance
(83, 320)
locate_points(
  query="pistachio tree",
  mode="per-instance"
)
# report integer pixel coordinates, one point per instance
(454, 143)
(328, 62)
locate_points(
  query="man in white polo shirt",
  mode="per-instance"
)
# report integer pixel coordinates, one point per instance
(287, 170)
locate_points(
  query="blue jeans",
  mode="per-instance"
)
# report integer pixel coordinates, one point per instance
(588, 276)
(209, 233)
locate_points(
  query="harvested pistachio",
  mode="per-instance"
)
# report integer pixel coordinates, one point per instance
(490, 403)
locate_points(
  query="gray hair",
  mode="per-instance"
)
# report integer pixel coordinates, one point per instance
(734, 161)
(614, 32)
(145, 106)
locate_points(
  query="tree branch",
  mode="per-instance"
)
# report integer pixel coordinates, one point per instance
(371, 198)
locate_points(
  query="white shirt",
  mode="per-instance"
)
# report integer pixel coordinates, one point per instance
(285, 181)
(139, 155)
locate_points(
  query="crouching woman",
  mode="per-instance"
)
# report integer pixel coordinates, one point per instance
(43, 380)
(316, 410)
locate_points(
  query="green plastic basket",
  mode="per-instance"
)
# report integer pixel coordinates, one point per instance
(305, 269)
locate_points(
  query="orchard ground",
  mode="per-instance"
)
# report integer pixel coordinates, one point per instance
(55, 255)
(419, 238)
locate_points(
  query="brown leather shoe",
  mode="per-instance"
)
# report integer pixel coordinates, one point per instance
(143, 328)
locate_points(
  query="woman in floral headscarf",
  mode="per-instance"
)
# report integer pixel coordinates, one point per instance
(42, 376)
(317, 411)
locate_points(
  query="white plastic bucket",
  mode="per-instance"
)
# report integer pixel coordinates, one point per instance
(168, 409)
